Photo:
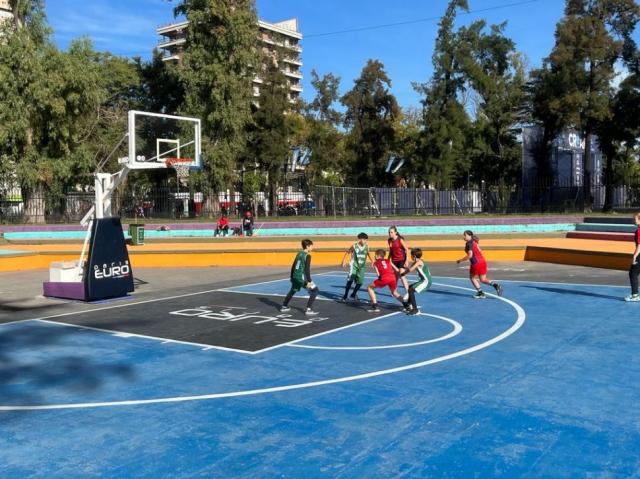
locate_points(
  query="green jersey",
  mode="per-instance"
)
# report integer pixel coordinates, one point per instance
(425, 278)
(359, 256)
(297, 270)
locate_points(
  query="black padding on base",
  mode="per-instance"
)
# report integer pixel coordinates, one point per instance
(108, 272)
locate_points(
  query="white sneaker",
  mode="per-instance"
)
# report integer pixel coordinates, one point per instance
(284, 309)
(311, 312)
(632, 298)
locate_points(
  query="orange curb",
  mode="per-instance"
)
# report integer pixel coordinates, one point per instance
(596, 253)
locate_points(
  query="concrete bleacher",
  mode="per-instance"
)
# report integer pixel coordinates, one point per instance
(606, 228)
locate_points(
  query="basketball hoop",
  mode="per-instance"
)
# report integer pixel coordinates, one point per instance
(181, 165)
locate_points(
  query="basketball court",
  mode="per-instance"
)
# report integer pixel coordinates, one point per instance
(204, 376)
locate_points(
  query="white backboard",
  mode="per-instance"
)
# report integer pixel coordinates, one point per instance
(155, 137)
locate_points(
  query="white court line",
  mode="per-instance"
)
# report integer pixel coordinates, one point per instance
(544, 282)
(252, 392)
(457, 328)
(121, 334)
(124, 305)
(336, 273)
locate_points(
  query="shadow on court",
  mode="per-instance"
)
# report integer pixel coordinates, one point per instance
(23, 362)
(18, 305)
(575, 292)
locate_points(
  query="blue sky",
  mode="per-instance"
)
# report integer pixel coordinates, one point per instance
(127, 27)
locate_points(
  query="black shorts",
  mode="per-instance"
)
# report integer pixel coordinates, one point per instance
(399, 264)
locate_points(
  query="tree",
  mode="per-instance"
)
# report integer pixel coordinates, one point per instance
(270, 144)
(371, 113)
(322, 106)
(541, 92)
(408, 131)
(324, 139)
(591, 37)
(495, 74)
(619, 138)
(446, 123)
(49, 102)
(220, 56)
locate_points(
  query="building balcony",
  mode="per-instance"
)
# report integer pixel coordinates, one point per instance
(171, 42)
(270, 41)
(293, 61)
(297, 88)
(293, 74)
(171, 58)
(172, 28)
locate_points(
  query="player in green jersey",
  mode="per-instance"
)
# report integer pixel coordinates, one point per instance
(358, 254)
(424, 278)
(301, 278)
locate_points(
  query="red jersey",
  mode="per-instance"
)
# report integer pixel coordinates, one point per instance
(397, 250)
(636, 237)
(384, 269)
(223, 222)
(477, 252)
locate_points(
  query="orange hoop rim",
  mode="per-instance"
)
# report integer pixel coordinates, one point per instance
(177, 161)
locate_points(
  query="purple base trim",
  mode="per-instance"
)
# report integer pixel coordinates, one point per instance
(64, 290)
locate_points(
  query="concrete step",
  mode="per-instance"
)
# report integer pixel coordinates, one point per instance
(600, 235)
(610, 220)
(606, 227)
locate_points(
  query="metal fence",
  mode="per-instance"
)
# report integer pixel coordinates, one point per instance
(339, 201)
(330, 201)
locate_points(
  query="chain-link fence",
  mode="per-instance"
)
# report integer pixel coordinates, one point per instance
(165, 204)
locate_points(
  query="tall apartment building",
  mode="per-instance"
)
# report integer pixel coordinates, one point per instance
(284, 35)
(5, 10)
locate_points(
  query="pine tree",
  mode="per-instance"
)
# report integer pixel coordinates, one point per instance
(446, 123)
(269, 141)
(496, 77)
(590, 39)
(619, 138)
(371, 112)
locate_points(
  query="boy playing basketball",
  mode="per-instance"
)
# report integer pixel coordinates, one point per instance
(386, 277)
(359, 252)
(424, 278)
(301, 278)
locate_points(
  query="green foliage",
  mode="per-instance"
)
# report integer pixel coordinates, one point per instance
(269, 143)
(371, 114)
(322, 106)
(217, 75)
(443, 158)
(496, 76)
(47, 114)
(252, 183)
(326, 142)
(592, 36)
(408, 134)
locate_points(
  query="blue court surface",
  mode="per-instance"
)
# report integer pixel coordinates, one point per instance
(543, 382)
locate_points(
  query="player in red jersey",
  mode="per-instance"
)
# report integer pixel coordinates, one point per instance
(387, 273)
(634, 269)
(478, 269)
(398, 254)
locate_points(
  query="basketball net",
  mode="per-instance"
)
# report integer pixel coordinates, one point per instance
(181, 165)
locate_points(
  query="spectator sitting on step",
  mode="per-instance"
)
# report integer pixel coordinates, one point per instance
(247, 223)
(223, 226)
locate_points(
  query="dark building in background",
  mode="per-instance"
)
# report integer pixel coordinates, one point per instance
(566, 160)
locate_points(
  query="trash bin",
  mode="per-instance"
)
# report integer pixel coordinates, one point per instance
(136, 231)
